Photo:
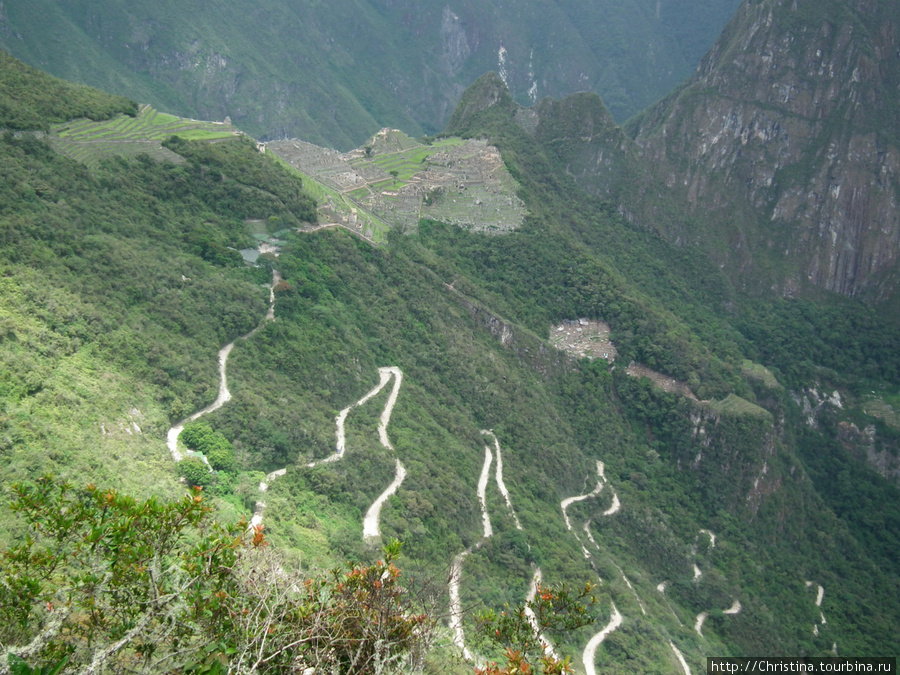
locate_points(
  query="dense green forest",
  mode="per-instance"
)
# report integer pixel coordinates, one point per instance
(120, 283)
(30, 99)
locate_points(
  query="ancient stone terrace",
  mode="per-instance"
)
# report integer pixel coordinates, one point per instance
(401, 180)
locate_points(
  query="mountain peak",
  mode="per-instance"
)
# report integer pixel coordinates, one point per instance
(488, 92)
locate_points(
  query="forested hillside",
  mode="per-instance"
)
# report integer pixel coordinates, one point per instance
(31, 99)
(409, 390)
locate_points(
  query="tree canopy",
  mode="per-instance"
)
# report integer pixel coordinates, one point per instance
(103, 581)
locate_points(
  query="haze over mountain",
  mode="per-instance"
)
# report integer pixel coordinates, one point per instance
(334, 73)
(537, 346)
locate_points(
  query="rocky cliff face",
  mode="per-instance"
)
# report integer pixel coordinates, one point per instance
(865, 445)
(585, 139)
(792, 119)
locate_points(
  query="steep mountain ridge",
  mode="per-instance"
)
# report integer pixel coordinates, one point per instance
(787, 139)
(335, 73)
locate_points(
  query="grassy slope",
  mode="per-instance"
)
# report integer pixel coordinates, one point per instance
(118, 285)
(91, 142)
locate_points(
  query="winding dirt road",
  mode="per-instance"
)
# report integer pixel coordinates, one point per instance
(453, 583)
(536, 580)
(372, 519)
(224, 395)
(373, 515)
(615, 621)
(590, 651)
(482, 493)
(223, 398)
(680, 657)
(614, 508)
(389, 406)
(566, 503)
(456, 566)
(499, 477)
(384, 375)
(820, 595)
(456, 613)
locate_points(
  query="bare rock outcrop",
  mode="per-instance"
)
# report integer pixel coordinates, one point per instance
(792, 118)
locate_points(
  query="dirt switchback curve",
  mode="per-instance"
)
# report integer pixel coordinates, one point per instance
(224, 394)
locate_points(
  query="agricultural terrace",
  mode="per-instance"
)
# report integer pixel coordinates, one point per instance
(91, 142)
(395, 180)
(337, 208)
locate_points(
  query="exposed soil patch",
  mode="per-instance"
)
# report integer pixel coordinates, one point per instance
(583, 338)
(664, 382)
(680, 657)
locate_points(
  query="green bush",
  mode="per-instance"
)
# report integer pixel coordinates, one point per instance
(193, 617)
(201, 437)
(195, 472)
(222, 459)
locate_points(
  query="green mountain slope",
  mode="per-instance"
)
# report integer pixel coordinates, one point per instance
(698, 490)
(31, 100)
(335, 73)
